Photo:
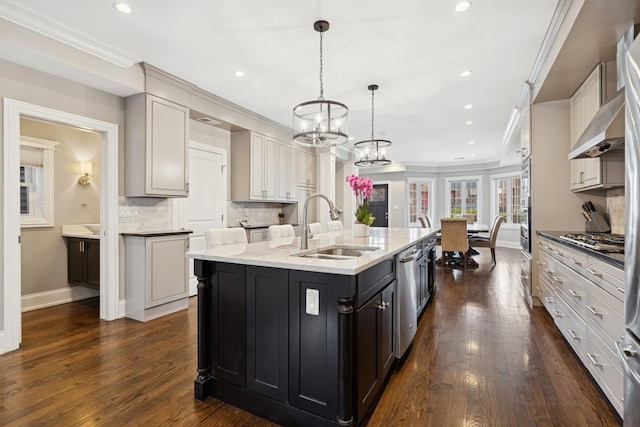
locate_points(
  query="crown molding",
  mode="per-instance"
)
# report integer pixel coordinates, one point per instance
(13, 11)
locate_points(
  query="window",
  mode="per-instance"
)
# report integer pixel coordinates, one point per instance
(506, 197)
(36, 182)
(464, 196)
(421, 199)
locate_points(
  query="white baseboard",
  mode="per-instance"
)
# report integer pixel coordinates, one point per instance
(507, 244)
(57, 296)
(122, 305)
(3, 345)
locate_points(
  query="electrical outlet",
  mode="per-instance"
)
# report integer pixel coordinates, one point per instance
(313, 302)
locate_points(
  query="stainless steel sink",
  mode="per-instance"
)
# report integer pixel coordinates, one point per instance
(337, 252)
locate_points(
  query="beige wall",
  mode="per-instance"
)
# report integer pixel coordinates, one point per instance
(43, 249)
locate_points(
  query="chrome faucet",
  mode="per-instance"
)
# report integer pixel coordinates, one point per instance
(334, 213)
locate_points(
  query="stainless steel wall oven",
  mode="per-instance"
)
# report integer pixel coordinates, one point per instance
(525, 206)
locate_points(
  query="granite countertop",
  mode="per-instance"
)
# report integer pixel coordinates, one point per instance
(280, 253)
(611, 258)
(254, 226)
(156, 233)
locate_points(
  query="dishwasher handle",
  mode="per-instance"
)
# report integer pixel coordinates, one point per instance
(407, 259)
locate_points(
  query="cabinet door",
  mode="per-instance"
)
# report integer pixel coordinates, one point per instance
(258, 235)
(312, 214)
(75, 261)
(167, 270)
(92, 259)
(286, 174)
(368, 332)
(267, 331)
(258, 154)
(167, 149)
(592, 169)
(270, 166)
(387, 355)
(306, 168)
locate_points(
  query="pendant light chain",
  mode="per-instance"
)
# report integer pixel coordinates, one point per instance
(321, 64)
(372, 104)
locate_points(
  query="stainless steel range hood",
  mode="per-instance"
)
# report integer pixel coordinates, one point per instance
(604, 133)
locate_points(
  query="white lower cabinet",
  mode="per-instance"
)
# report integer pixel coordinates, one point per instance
(258, 235)
(156, 275)
(585, 295)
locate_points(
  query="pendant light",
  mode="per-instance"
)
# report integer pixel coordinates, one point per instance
(372, 152)
(320, 123)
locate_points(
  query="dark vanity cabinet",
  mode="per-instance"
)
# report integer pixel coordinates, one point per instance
(295, 347)
(83, 261)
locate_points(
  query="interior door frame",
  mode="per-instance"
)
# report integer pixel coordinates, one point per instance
(110, 305)
(388, 184)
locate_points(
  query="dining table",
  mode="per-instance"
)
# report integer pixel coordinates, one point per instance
(474, 228)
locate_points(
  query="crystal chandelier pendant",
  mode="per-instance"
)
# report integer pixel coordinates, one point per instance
(372, 152)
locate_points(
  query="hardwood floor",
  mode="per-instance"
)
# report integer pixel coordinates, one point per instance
(481, 357)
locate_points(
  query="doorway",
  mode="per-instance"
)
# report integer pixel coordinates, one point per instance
(110, 306)
(379, 205)
(206, 205)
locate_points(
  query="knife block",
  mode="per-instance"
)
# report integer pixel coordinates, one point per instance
(597, 224)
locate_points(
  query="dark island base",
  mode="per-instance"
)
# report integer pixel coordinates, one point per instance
(272, 410)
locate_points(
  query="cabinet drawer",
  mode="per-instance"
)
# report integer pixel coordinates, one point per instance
(572, 288)
(546, 295)
(374, 279)
(603, 315)
(573, 328)
(605, 368)
(607, 277)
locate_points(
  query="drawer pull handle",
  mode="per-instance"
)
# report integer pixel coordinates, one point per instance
(538, 288)
(594, 311)
(574, 335)
(558, 313)
(549, 300)
(620, 289)
(595, 273)
(548, 271)
(557, 279)
(592, 358)
(574, 293)
(574, 261)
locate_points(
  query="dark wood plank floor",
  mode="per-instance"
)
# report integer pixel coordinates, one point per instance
(481, 358)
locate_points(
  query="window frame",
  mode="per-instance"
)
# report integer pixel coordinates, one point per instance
(447, 186)
(47, 217)
(494, 196)
(431, 204)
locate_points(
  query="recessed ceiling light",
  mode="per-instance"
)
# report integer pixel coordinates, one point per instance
(239, 73)
(468, 122)
(463, 5)
(466, 73)
(350, 138)
(468, 107)
(123, 7)
(471, 142)
(472, 155)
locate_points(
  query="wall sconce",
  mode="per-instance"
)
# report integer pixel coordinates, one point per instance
(86, 169)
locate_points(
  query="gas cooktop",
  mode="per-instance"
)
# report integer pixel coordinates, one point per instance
(602, 242)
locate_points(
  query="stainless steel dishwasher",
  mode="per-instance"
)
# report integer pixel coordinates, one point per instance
(405, 310)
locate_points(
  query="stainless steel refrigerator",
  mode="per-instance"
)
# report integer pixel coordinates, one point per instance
(629, 349)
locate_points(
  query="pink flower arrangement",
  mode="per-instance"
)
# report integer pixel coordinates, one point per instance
(362, 188)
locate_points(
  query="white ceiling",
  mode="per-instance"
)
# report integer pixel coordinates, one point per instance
(414, 50)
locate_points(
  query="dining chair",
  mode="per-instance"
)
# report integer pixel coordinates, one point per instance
(315, 228)
(489, 242)
(424, 220)
(215, 237)
(470, 218)
(454, 239)
(335, 226)
(278, 231)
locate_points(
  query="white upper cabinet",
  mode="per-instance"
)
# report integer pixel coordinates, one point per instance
(598, 172)
(257, 163)
(287, 172)
(307, 168)
(155, 148)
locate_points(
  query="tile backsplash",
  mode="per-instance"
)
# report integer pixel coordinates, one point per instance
(255, 213)
(144, 214)
(615, 210)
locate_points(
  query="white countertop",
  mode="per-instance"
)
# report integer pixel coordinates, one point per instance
(81, 230)
(278, 253)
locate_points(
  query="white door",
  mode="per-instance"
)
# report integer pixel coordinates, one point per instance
(206, 205)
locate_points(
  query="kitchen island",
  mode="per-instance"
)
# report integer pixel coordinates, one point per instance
(300, 337)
